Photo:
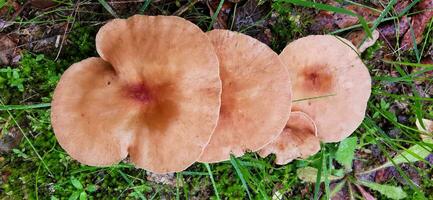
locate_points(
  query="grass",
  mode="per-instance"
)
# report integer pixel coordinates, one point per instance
(38, 168)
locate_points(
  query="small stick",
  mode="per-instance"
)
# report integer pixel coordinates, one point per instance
(74, 13)
(185, 7)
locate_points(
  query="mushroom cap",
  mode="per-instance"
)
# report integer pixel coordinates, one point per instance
(297, 140)
(155, 95)
(329, 82)
(256, 97)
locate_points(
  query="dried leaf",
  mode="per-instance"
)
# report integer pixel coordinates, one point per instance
(419, 23)
(357, 38)
(392, 31)
(309, 174)
(324, 21)
(8, 50)
(344, 21)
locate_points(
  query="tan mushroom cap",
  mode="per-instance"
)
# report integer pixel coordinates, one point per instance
(156, 96)
(330, 83)
(256, 97)
(298, 140)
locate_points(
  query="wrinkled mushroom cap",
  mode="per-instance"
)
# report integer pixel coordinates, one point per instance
(329, 82)
(298, 140)
(154, 95)
(256, 97)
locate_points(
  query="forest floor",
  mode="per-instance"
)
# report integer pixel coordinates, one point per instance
(388, 157)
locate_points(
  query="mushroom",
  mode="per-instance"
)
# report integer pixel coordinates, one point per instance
(330, 83)
(154, 94)
(256, 97)
(298, 140)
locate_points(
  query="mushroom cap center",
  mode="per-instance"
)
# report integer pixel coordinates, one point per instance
(317, 79)
(156, 103)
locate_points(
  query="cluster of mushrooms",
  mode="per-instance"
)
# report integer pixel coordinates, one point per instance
(167, 95)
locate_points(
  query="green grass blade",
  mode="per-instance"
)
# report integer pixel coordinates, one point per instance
(131, 184)
(2, 3)
(415, 46)
(319, 175)
(383, 14)
(108, 8)
(235, 164)
(24, 107)
(215, 15)
(144, 6)
(212, 180)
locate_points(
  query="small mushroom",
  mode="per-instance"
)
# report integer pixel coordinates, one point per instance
(330, 83)
(256, 97)
(298, 140)
(154, 95)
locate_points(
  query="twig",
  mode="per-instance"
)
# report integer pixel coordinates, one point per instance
(74, 13)
(185, 7)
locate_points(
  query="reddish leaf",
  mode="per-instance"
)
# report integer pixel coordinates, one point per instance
(8, 50)
(324, 21)
(419, 23)
(391, 31)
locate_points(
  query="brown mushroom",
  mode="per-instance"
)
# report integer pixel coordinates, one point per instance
(154, 95)
(298, 140)
(330, 83)
(256, 96)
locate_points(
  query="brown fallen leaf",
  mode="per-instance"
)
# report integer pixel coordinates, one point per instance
(10, 140)
(324, 21)
(344, 21)
(392, 31)
(357, 38)
(419, 23)
(8, 50)
(401, 5)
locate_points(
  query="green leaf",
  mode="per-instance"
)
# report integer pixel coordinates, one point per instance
(309, 174)
(74, 196)
(108, 8)
(91, 188)
(24, 107)
(392, 192)
(212, 180)
(2, 3)
(413, 154)
(346, 152)
(83, 195)
(76, 183)
(215, 15)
